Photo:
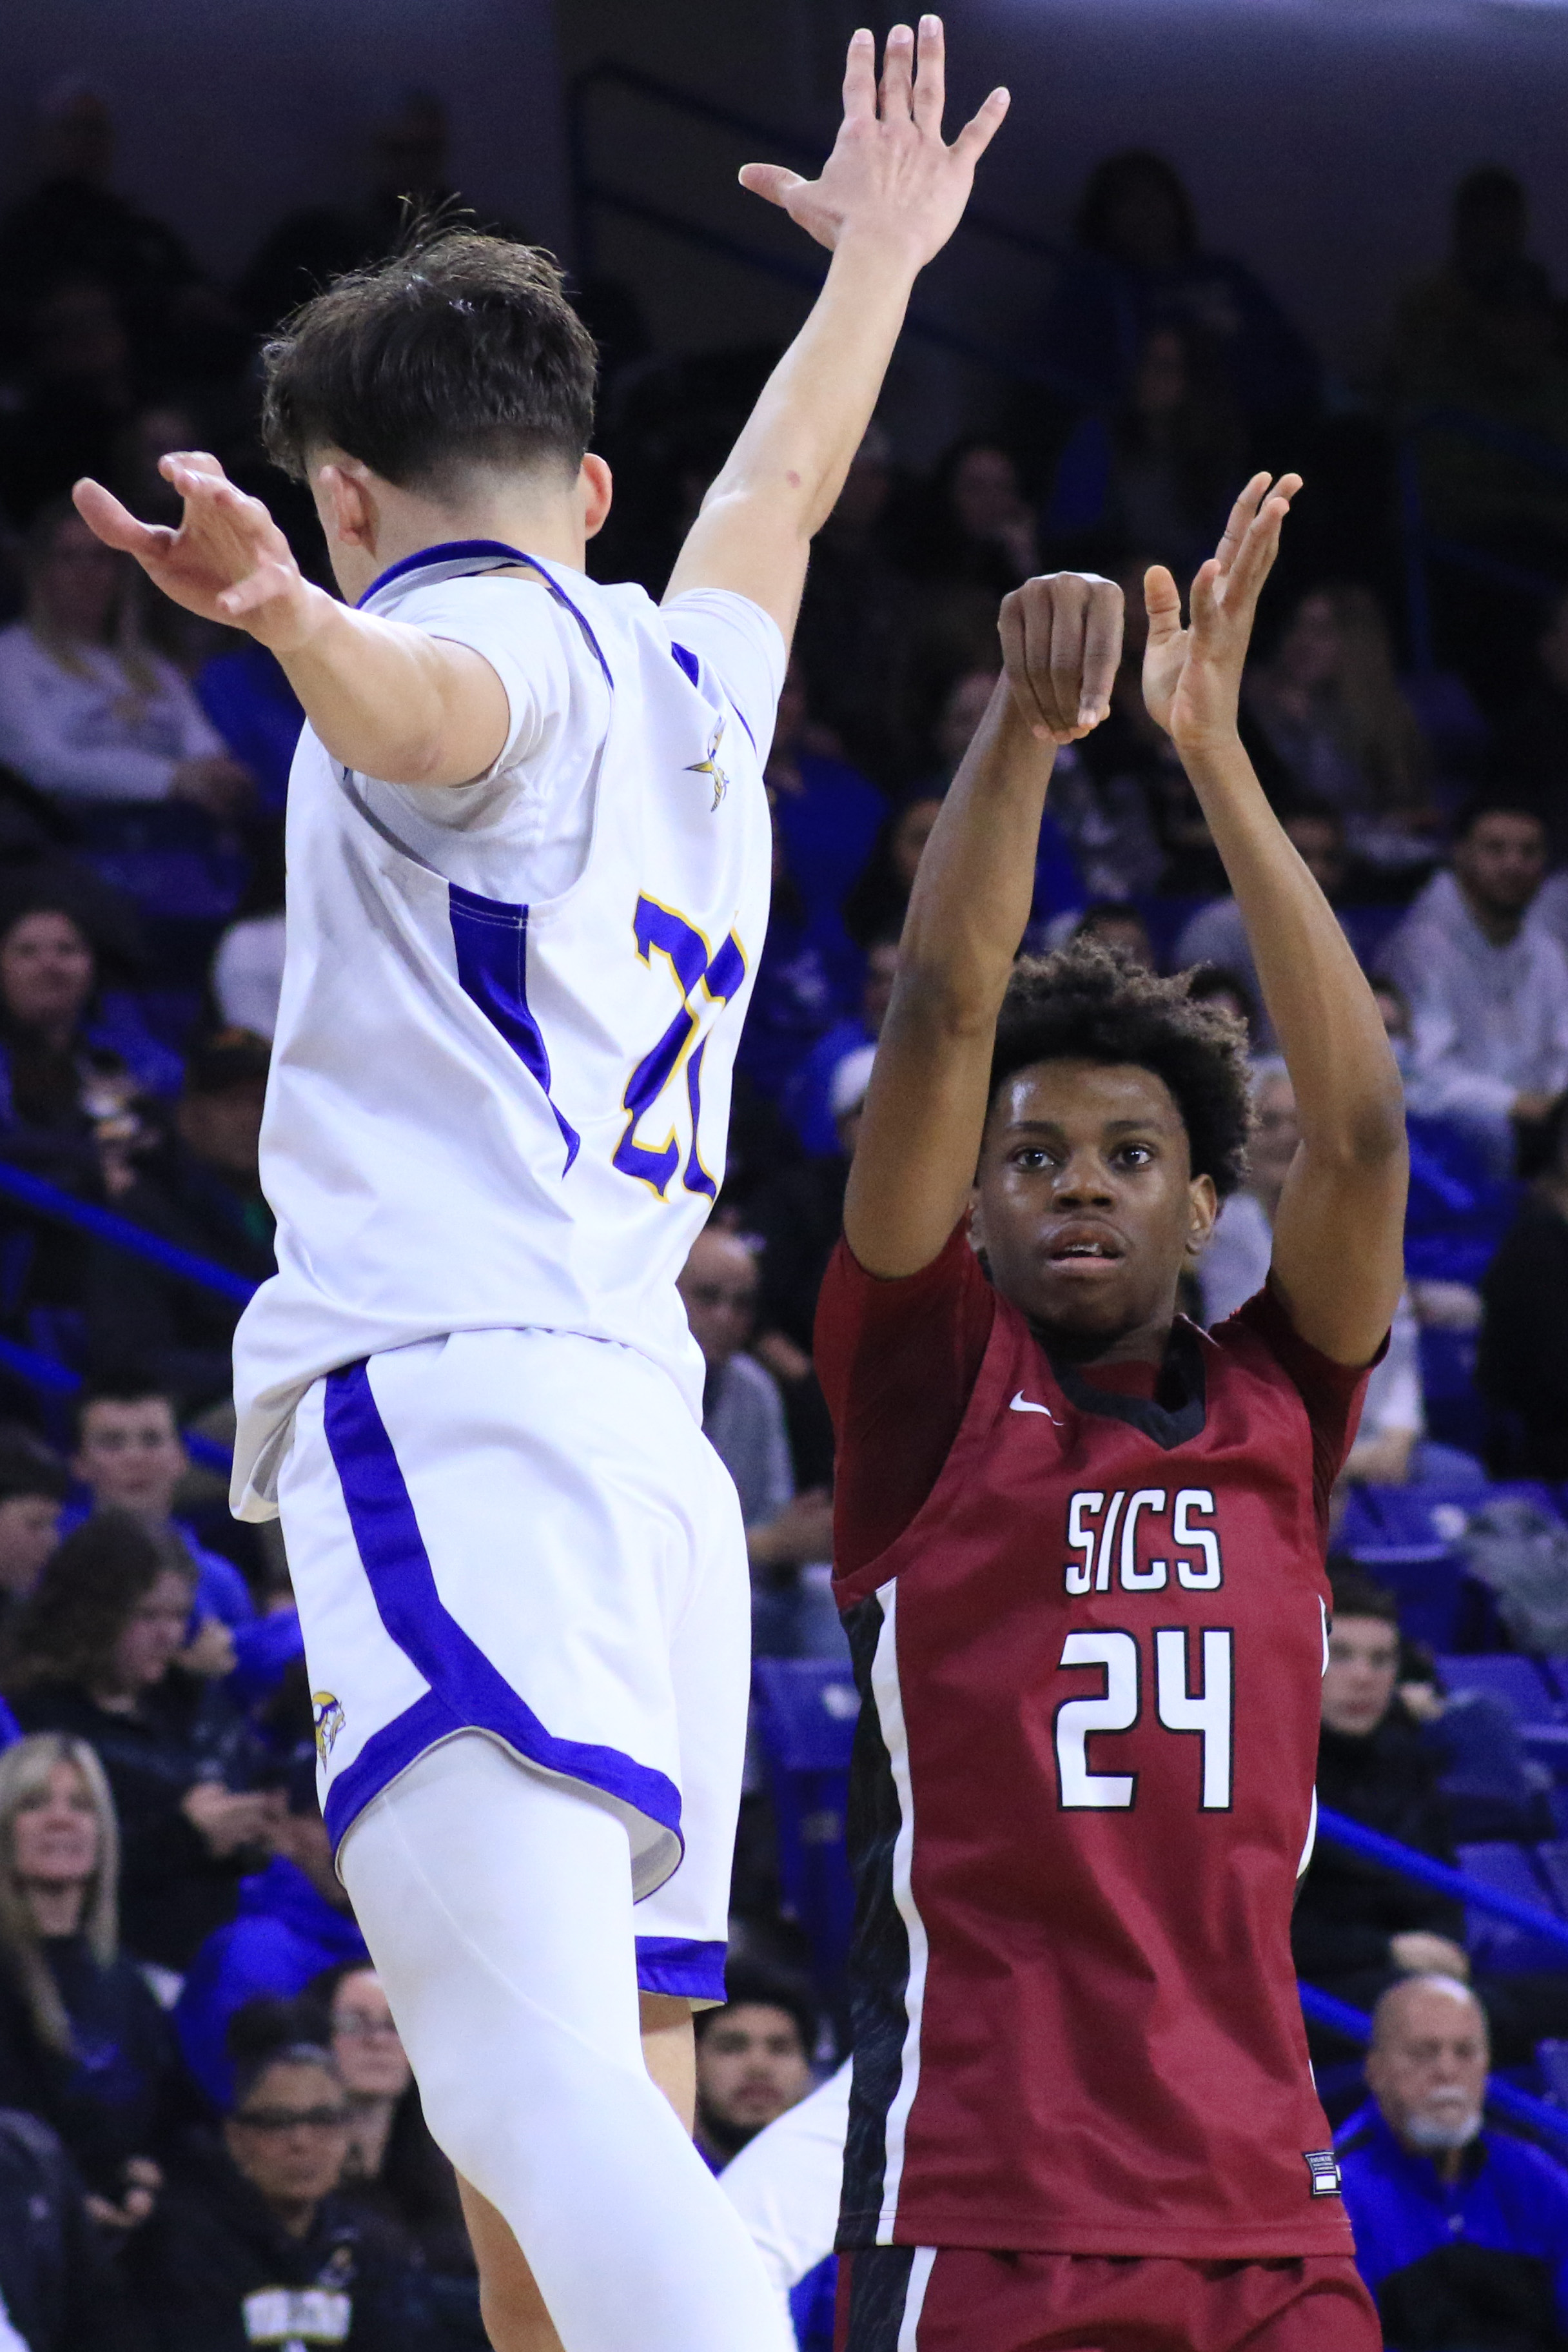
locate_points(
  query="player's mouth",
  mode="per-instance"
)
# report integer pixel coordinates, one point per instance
(1081, 1246)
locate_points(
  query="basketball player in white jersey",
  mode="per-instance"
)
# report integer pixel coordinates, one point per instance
(528, 864)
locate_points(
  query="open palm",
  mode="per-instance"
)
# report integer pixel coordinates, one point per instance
(890, 171)
(227, 561)
(1191, 676)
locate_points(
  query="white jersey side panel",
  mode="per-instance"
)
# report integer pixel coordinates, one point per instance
(486, 1112)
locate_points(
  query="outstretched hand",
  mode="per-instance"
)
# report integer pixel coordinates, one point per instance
(1191, 676)
(1061, 645)
(891, 173)
(227, 561)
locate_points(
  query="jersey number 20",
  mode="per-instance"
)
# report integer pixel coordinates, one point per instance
(1207, 1715)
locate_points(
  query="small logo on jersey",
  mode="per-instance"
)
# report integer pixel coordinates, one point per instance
(1021, 1404)
(710, 766)
(1324, 2166)
(329, 1714)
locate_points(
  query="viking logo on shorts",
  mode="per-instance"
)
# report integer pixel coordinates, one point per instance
(329, 1714)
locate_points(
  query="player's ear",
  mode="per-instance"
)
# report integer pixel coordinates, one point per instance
(1203, 1209)
(595, 488)
(344, 502)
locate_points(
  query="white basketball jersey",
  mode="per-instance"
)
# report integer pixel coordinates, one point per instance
(500, 1084)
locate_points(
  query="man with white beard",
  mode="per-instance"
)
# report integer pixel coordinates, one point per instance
(1461, 2232)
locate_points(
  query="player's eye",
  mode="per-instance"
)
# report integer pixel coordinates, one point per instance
(1136, 1155)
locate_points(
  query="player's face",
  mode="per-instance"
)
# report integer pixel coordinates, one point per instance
(1086, 1205)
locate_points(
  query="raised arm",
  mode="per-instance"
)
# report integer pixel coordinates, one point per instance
(385, 699)
(888, 197)
(1339, 1229)
(925, 1110)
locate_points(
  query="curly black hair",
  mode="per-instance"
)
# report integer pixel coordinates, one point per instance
(1089, 1002)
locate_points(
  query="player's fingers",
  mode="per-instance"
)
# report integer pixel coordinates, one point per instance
(978, 131)
(1101, 650)
(898, 74)
(1239, 520)
(193, 461)
(930, 74)
(258, 588)
(1255, 558)
(774, 181)
(1163, 603)
(1204, 599)
(1069, 604)
(115, 524)
(861, 77)
(1011, 628)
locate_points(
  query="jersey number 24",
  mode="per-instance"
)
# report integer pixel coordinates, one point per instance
(1207, 1715)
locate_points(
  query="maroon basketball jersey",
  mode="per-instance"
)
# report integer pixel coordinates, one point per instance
(1082, 1794)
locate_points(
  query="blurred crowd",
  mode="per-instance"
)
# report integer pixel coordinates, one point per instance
(208, 2135)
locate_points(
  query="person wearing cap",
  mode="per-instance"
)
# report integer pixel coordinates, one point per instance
(193, 1182)
(1461, 2232)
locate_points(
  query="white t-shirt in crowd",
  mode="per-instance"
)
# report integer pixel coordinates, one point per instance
(88, 731)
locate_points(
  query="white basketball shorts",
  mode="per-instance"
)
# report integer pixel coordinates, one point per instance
(524, 1533)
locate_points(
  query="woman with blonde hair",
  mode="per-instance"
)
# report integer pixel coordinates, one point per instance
(1329, 701)
(83, 2043)
(88, 711)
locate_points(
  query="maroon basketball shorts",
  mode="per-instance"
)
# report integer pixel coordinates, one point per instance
(954, 2299)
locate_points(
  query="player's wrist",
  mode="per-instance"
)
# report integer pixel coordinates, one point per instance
(885, 241)
(296, 623)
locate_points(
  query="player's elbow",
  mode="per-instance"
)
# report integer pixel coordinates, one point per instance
(956, 1003)
(1368, 1136)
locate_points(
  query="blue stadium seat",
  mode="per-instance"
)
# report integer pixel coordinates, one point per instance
(806, 1713)
(1551, 2057)
(1518, 1680)
(1496, 1944)
(1551, 1860)
(1426, 1579)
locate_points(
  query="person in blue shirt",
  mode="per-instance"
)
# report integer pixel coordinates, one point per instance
(293, 1923)
(1461, 2232)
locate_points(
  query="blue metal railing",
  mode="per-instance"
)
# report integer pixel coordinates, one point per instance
(50, 1200)
(592, 195)
(1337, 1829)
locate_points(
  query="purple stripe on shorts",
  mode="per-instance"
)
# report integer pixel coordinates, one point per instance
(681, 1966)
(468, 1692)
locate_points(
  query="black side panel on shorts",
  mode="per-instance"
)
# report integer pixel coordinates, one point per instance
(878, 2296)
(880, 1952)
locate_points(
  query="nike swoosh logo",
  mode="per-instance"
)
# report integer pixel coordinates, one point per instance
(1021, 1404)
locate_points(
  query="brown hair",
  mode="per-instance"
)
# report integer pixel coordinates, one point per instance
(459, 350)
(70, 1623)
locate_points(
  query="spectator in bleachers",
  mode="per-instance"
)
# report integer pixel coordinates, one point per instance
(93, 1657)
(293, 1921)
(1461, 2232)
(1216, 934)
(1211, 984)
(828, 814)
(744, 1417)
(1488, 989)
(251, 2241)
(1358, 1927)
(77, 393)
(809, 1097)
(406, 155)
(247, 962)
(1532, 750)
(804, 980)
(74, 224)
(1159, 471)
(59, 2291)
(130, 1457)
(1140, 265)
(753, 2060)
(1522, 1366)
(33, 1488)
(88, 713)
(1105, 816)
(193, 1181)
(1481, 335)
(857, 620)
(875, 908)
(1235, 1267)
(975, 527)
(83, 2043)
(1328, 701)
(395, 2167)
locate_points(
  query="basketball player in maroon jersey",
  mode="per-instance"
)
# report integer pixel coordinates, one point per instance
(1081, 1554)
